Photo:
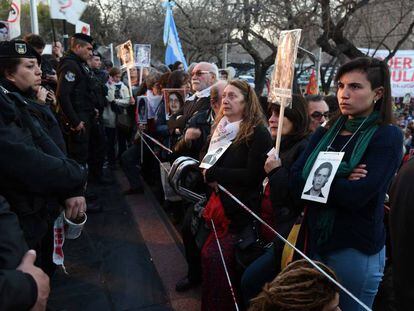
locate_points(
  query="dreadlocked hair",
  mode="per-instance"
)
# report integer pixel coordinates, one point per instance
(252, 116)
(300, 286)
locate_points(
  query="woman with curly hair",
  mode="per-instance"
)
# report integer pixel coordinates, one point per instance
(300, 286)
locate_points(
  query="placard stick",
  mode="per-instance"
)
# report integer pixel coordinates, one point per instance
(140, 74)
(129, 81)
(142, 150)
(280, 125)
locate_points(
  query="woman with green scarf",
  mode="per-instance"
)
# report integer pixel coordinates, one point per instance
(347, 233)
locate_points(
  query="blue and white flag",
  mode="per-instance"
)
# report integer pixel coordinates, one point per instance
(173, 51)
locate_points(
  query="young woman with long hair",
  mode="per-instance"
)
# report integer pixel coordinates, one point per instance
(347, 233)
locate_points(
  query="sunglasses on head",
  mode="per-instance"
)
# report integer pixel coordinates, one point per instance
(199, 73)
(319, 115)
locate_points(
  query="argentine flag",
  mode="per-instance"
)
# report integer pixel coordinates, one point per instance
(173, 51)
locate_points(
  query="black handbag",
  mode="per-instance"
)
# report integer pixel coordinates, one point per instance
(249, 247)
(199, 228)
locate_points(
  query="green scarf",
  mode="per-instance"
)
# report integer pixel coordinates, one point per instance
(327, 216)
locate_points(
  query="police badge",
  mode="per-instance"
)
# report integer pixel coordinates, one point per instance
(70, 76)
(20, 48)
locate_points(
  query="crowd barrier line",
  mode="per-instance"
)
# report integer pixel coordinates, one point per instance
(278, 235)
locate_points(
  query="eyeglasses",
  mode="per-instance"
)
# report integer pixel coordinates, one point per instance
(318, 115)
(199, 73)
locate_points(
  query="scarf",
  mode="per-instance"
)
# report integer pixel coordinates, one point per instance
(224, 133)
(367, 127)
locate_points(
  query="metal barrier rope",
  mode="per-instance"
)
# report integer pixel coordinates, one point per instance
(365, 307)
(157, 142)
(215, 234)
(296, 249)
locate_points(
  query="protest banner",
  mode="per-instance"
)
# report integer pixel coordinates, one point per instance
(14, 19)
(283, 74)
(69, 10)
(401, 70)
(82, 27)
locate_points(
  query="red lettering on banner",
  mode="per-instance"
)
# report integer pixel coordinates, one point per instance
(402, 76)
(407, 63)
(396, 63)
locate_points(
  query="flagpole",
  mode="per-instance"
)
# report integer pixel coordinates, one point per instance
(53, 32)
(33, 15)
(65, 36)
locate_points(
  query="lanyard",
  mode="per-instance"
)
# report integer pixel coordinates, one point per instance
(333, 139)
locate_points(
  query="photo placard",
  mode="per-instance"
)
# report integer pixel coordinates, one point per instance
(142, 55)
(125, 54)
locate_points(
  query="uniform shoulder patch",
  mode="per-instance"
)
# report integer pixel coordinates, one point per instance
(70, 76)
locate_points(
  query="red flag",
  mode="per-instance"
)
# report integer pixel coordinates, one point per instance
(312, 87)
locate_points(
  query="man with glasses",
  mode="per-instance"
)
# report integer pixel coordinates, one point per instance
(318, 111)
(203, 76)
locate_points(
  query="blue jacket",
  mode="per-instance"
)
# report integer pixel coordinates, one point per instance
(359, 204)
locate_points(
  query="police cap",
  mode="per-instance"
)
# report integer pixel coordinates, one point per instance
(18, 49)
(83, 37)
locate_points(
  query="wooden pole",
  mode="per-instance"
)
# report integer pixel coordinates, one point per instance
(280, 126)
(140, 74)
(129, 82)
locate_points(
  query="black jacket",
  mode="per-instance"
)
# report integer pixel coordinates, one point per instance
(240, 170)
(74, 89)
(32, 167)
(402, 232)
(286, 204)
(18, 290)
(202, 120)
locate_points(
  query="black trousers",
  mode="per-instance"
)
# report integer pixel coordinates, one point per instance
(88, 145)
(192, 252)
(78, 142)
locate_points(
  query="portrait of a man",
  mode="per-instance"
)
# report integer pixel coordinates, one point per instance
(212, 158)
(320, 178)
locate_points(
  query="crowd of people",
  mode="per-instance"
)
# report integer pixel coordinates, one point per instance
(66, 118)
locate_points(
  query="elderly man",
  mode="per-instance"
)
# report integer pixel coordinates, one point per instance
(318, 111)
(198, 127)
(203, 76)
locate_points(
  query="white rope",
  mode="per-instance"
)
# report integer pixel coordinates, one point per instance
(278, 235)
(225, 266)
(158, 143)
(296, 249)
(145, 142)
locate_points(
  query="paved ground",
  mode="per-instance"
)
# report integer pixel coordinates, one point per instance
(128, 258)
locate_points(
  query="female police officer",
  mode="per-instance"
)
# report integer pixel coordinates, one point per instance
(32, 168)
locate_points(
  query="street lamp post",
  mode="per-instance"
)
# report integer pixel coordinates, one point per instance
(33, 15)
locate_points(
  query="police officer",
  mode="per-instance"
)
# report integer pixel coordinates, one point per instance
(98, 140)
(32, 167)
(75, 97)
